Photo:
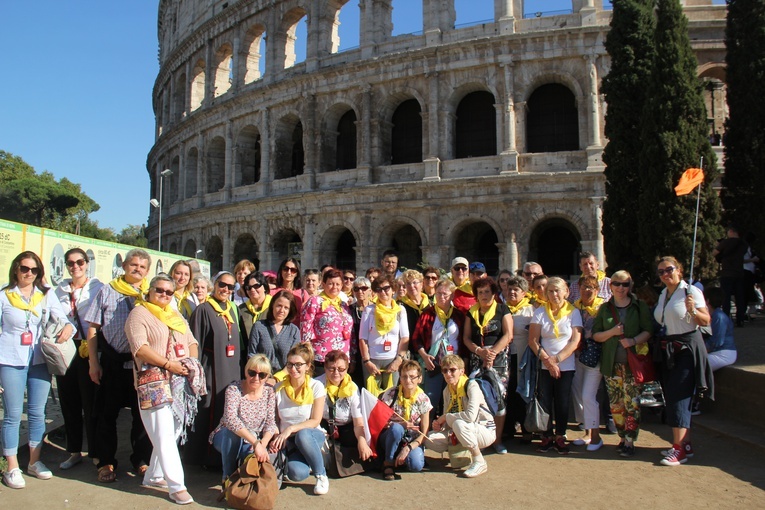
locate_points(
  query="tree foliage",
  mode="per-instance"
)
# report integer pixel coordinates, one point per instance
(630, 45)
(134, 235)
(744, 179)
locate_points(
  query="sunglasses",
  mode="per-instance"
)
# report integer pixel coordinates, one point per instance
(336, 369)
(460, 269)
(289, 269)
(452, 370)
(504, 280)
(252, 287)
(166, 292)
(621, 284)
(431, 277)
(668, 270)
(224, 285)
(384, 289)
(362, 289)
(25, 269)
(349, 278)
(78, 262)
(259, 375)
(298, 365)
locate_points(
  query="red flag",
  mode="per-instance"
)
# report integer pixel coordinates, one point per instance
(689, 180)
(376, 416)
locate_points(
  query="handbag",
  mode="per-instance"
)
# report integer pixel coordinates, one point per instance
(641, 365)
(537, 418)
(590, 355)
(253, 486)
(153, 383)
(343, 459)
(459, 456)
(58, 356)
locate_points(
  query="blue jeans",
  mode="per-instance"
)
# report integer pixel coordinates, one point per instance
(233, 449)
(389, 443)
(36, 380)
(433, 385)
(679, 386)
(304, 453)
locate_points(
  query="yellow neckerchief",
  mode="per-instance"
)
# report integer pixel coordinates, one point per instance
(326, 301)
(346, 388)
(374, 388)
(591, 310)
(18, 302)
(182, 302)
(424, 303)
(475, 312)
(466, 287)
(444, 316)
(226, 314)
(407, 403)
(280, 375)
(521, 304)
(167, 315)
(599, 274)
(304, 397)
(385, 317)
(461, 392)
(565, 310)
(263, 308)
(120, 285)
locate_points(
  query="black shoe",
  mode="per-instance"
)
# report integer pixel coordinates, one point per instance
(628, 451)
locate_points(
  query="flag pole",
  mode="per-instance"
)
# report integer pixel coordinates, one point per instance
(696, 224)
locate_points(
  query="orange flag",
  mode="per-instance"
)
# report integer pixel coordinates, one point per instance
(689, 180)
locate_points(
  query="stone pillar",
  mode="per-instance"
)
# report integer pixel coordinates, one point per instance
(187, 87)
(181, 180)
(228, 253)
(314, 36)
(433, 102)
(173, 114)
(509, 150)
(438, 17)
(236, 69)
(272, 65)
(597, 221)
(587, 11)
(310, 141)
(228, 165)
(309, 258)
(511, 254)
(593, 103)
(520, 125)
(505, 15)
(201, 158)
(266, 146)
(364, 255)
(209, 74)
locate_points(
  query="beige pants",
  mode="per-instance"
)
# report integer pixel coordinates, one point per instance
(472, 436)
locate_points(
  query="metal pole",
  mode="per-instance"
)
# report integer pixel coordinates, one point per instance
(159, 239)
(696, 224)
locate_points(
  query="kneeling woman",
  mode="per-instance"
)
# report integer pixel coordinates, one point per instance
(466, 415)
(401, 442)
(249, 417)
(299, 407)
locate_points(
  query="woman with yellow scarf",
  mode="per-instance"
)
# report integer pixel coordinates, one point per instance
(466, 417)
(182, 302)
(275, 334)
(414, 300)
(554, 335)
(401, 442)
(159, 336)
(299, 408)
(254, 308)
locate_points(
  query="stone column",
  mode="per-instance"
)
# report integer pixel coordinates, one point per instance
(433, 102)
(520, 125)
(511, 254)
(173, 114)
(509, 150)
(310, 141)
(237, 78)
(187, 86)
(209, 74)
(181, 181)
(309, 250)
(364, 251)
(314, 36)
(505, 14)
(593, 103)
(266, 142)
(228, 253)
(438, 17)
(228, 165)
(201, 158)
(597, 221)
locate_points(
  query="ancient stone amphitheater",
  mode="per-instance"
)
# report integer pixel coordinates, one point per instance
(483, 141)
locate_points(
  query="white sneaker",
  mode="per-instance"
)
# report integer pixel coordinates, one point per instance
(582, 441)
(39, 470)
(476, 468)
(322, 485)
(14, 479)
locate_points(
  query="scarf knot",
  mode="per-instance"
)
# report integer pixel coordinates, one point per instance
(16, 301)
(301, 396)
(123, 287)
(458, 393)
(385, 317)
(345, 389)
(407, 403)
(564, 311)
(327, 301)
(424, 302)
(167, 315)
(475, 312)
(521, 304)
(226, 314)
(256, 313)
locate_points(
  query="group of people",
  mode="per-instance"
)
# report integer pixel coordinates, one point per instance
(278, 366)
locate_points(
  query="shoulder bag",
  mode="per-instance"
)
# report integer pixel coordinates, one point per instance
(153, 383)
(253, 486)
(537, 418)
(641, 365)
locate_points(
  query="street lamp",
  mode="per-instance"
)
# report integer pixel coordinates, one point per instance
(164, 173)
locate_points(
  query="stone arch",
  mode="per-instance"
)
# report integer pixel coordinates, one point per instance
(340, 138)
(246, 247)
(214, 254)
(552, 119)
(475, 125)
(248, 152)
(174, 247)
(191, 163)
(406, 137)
(713, 76)
(198, 85)
(252, 66)
(555, 243)
(330, 27)
(338, 246)
(406, 237)
(477, 240)
(290, 154)
(216, 165)
(190, 249)
(289, 28)
(224, 69)
(287, 243)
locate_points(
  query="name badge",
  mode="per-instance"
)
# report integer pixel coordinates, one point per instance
(180, 351)
(450, 349)
(387, 346)
(229, 351)
(26, 338)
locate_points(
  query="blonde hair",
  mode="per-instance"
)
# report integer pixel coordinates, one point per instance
(621, 275)
(557, 282)
(452, 360)
(304, 351)
(258, 362)
(412, 275)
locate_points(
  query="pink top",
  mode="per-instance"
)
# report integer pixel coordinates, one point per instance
(326, 330)
(239, 412)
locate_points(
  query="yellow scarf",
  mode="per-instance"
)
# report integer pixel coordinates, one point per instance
(374, 388)
(521, 304)
(346, 388)
(460, 393)
(424, 303)
(18, 302)
(263, 308)
(304, 397)
(280, 375)
(600, 275)
(475, 312)
(221, 312)
(326, 301)
(407, 403)
(466, 287)
(120, 285)
(564, 311)
(444, 316)
(591, 310)
(183, 305)
(167, 315)
(385, 317)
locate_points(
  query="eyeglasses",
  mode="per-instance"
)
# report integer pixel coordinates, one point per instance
(431, 277)
(252, 287)
(451, 370)
(297, 366)
(224, 285)
(447, 294)
(336, 369)
(79, 262)
(384, 289)
(349, 278)
(259, 375)
(35, 270)
(166, 292)
(460, 269)
(668, 270)
(290, 269)
(410, 377)
(621, 284)
(504, 280)
(362, 289)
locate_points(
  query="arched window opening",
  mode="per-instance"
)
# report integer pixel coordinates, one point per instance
(346, 141)
(198, 85)
(248, 157)
(214, 254)
(476, 126)
(223, 69)
(255, 47)
(406, 17)
(216, 165)
(296, 32)
(553, 121)
(246, 248)
(406, 134)
(192, 161)
(478, 242)
(345, 27)
(190, 249)
(408, 245)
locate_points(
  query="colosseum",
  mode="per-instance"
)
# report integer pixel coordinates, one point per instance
(483, 141)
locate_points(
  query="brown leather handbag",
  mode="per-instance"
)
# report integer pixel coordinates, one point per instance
(253, 486)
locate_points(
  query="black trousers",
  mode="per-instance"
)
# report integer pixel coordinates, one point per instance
(115, 392)
(76, 393)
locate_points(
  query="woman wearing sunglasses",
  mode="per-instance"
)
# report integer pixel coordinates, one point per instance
(466, 417)
(288, 278)
(300, 406)
(249, 417)
(215, 324)
(255, 287)
(22, 367)
(275, 334)
(362, 297)
(75, 389)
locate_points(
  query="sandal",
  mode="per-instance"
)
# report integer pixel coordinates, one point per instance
(141, 470)
(389, 473)
(106, 474)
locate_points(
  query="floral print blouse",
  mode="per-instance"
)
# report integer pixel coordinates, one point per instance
(326, 330)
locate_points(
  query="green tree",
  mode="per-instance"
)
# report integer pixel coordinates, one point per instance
(744, 178)
(630, 45)
(134, 235)
(674, 138)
